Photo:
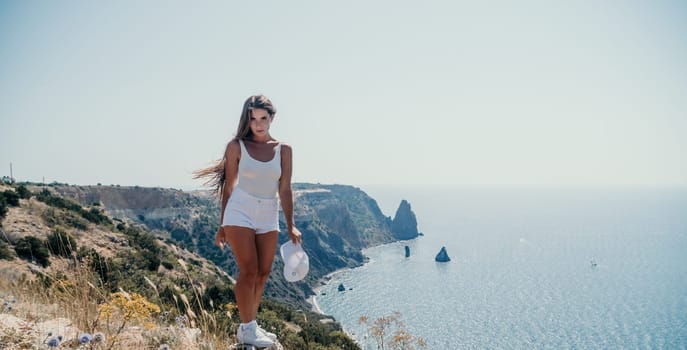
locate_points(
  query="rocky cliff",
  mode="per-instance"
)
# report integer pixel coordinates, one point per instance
(337, 221)
(404, 225)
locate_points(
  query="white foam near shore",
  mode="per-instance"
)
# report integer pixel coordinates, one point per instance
(312, 300)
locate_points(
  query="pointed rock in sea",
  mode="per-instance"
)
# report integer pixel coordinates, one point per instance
(442, 256)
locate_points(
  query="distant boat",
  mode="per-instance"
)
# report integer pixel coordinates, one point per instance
(593, 263)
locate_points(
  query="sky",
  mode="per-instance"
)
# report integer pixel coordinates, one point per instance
(367, 92)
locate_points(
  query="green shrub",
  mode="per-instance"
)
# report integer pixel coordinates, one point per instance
(291, 340)
(151, 260)
(60, 243)
(3, 208)
(168, 264)
(219, 294)
(96, 263)
(33, 249)
(23, 192)
(93, 215)
(341, 340)
(54, 217)
(11, 197)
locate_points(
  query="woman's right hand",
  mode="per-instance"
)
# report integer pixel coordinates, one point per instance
(295, 235)
(220, 238)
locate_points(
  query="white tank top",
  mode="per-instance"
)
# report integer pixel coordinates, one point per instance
(257, 178)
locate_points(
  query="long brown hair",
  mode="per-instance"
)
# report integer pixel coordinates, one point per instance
(215, 174)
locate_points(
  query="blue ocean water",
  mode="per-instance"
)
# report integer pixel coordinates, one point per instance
(521, 275)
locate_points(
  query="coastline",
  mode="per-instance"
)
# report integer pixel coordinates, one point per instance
(312, 300)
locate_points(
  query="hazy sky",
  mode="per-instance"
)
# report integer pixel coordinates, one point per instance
(367, 92)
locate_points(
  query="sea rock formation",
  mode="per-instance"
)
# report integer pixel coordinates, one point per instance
(404, 225)
(442, 256)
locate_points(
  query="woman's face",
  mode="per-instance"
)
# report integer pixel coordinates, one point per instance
(260, 122)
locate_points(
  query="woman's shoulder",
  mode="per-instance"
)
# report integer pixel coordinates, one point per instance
(233, 147)
(285, 147)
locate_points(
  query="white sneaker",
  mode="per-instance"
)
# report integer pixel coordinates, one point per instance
(270, 335)
(249, 334)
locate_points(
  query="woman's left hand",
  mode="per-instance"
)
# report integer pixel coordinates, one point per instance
(295, 235)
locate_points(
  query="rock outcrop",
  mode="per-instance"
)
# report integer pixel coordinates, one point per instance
(442, 256)
(404, 225)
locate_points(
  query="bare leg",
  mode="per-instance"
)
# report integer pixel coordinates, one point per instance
(266, 244)
(243, 244)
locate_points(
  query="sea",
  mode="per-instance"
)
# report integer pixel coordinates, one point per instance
(531, 268)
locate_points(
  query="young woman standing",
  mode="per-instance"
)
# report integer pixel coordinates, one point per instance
(253, 177)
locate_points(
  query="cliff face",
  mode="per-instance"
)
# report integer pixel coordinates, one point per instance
(404, 225)
(151, 206)
(337, 221)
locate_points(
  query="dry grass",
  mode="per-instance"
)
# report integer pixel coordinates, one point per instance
(70, 303)
(68, 300)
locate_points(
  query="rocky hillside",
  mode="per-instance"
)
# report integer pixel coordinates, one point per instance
(75, 266)
(337, 221)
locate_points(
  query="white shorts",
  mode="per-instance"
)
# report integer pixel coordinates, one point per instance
(261, 215)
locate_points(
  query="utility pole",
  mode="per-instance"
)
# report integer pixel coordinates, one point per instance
(11, 175)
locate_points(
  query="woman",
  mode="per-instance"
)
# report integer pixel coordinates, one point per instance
(255, 169)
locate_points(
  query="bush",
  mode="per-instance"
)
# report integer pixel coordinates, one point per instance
(23, 192)
(93, 215)
(96, 262)
(151, 260)
(32, 248)
(291, 340)
(168, 264)
(60, 243)
(3, 208)
(11, 197)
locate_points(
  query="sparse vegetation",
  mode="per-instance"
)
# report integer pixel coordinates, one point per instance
(60, 243)
(33, 249)
(5, 252)
(188, 293)
(94, 215)
(3, 209)
(11, 197)
(23, 192)
(8, 198)
(390, 330)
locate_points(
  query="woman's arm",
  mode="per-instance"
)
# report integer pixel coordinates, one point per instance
(286, 195)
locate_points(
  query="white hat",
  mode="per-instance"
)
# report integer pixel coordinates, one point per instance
(296, 263)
